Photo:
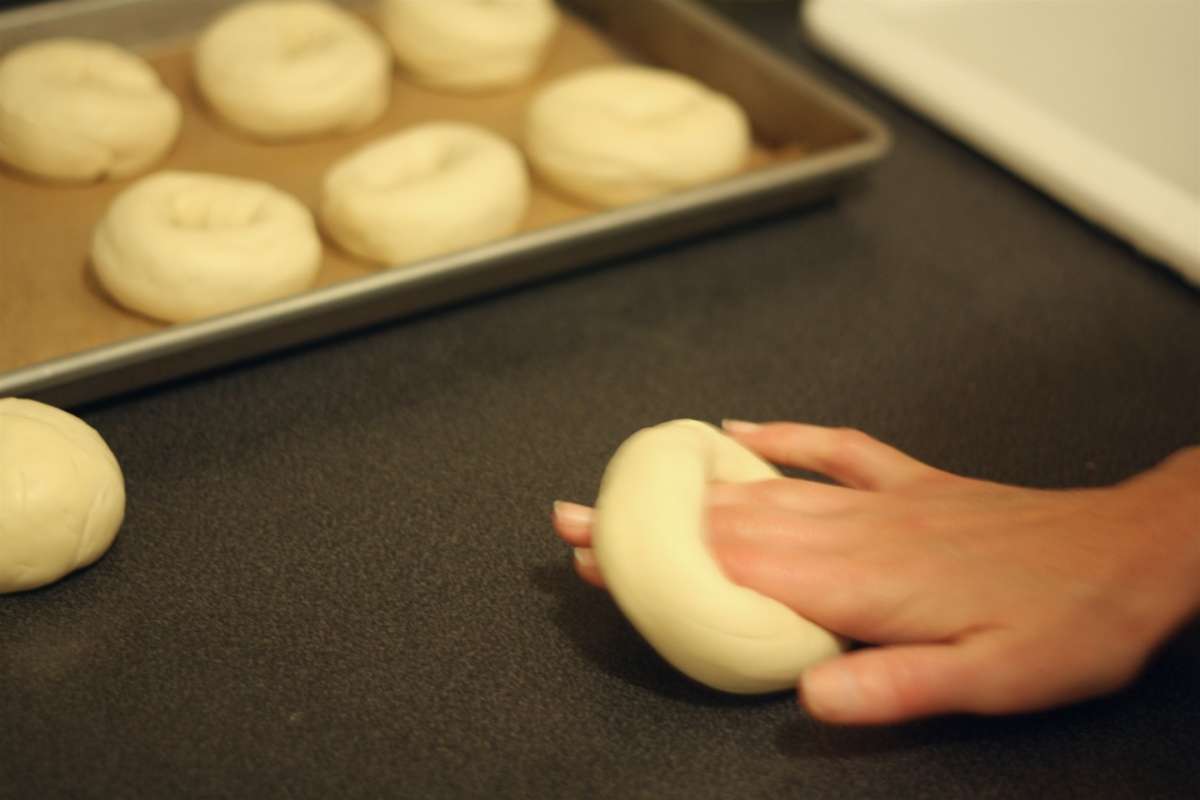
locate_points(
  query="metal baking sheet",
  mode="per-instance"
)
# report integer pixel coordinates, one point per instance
(814, 142)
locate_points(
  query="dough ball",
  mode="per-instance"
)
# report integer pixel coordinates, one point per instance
(283, 69)
(469, 45)
(183, 245)
(620, 134)
(82, 110)
(425, 191)
(62, 495)
(650, 543)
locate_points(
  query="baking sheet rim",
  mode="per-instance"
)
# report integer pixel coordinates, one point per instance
(60, 373)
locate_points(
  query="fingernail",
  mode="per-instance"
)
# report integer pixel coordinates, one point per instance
(831, 691)
(572, 514)
(585, 556)
(739, 426)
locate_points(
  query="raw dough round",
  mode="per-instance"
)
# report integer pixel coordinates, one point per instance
(650, 544)
(283, 69)
(425, 191)
(620, 134)
(62, 496)
(80, 110)
(469, 45)
(183, 245)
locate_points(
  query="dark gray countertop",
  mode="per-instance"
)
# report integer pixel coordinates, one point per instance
(337, 576)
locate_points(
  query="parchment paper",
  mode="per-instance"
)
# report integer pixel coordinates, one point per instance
(50, 301)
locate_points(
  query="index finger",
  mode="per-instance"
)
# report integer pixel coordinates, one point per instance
(849, 456)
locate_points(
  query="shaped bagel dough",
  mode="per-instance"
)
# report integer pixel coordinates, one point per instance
(183, 245)
(81, 110)
(469, 45)
(620, 134)
(62, 495)
(649, 540)
(425, 191)
(283, 69)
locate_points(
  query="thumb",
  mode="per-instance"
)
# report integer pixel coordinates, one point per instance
(882, 685)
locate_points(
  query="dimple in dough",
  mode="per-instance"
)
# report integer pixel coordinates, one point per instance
(650, 543)
(62, 495)
(620, 134)
(179, 246)
(470, 45)
(285, 69)
(426, 191)
(82, 110)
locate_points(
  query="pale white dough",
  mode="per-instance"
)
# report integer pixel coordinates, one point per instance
(425, 191)
(650, 543)
(620, 134)
(284, 69)
(81, 110)
(183, 245)
(62, 495)
(469, 45)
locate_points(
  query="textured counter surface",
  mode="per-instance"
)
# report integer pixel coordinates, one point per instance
(337, 576)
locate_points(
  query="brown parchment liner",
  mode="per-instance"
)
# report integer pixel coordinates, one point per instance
(50, 301)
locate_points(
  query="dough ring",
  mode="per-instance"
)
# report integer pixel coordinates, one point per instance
(425, 191)
(183, 245)
(283, 69)
(469, 45)
(62, 495)
(81, 110)
(621, 134)
(650, 544)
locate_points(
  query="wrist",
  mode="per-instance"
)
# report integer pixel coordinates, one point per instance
(1170, 498)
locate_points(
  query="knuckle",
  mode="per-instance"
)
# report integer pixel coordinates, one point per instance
(925, 477)
(850, 438)
(836, 602)
(845, 449)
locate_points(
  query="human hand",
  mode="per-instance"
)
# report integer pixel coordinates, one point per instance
(983, 597)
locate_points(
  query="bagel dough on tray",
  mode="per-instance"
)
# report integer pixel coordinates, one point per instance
(469, 45)
(425, 191)
(179, 246)
(82, 110)
(286, 69)
(620, 134)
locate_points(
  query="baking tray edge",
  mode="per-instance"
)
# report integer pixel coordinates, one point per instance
(195, 347)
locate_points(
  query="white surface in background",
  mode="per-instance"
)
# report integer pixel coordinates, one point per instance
(1095, 101)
